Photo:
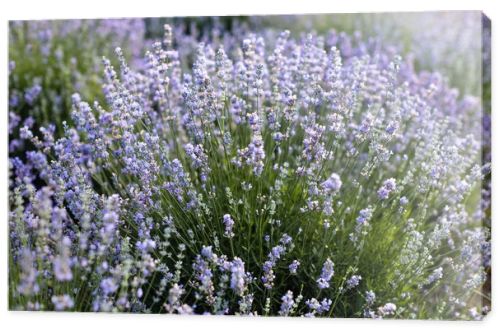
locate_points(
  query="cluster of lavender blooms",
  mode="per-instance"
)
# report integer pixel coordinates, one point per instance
(49, 60)
(450, 41)
(272, 176)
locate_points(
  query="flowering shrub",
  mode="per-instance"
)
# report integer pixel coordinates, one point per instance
(273, 176)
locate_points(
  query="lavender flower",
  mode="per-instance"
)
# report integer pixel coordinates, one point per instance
(273, 257)
(387, 188)
(326, 275)
(206, 252)
(287, 303)
(108, 286)
(370, 297)
(228, 223)
(436, 275)
(238, 276)
(62, 265)
(293, 267)
(332, 184)
(204, 275)
(316, 307)
(199, 160)
(62, 269)
(62, 302)
(353, 281)
(174, 294)
(32, 93)
(28, 284)
(362, 224)
(387, 309)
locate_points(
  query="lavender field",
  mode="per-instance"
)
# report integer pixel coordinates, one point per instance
(308, 166)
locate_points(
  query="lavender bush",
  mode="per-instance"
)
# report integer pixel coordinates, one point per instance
(256, 175)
